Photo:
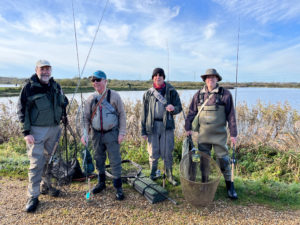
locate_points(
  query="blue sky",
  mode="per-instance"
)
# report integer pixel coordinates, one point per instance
(136, 36)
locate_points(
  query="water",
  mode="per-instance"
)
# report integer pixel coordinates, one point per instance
(244, 95)
(9, 85)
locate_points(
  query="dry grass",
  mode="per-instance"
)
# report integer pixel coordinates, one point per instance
(276, 126)
(72, 208)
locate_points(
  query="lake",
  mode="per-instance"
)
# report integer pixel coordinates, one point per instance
(249, 95)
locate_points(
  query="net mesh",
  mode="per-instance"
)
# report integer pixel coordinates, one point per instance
(130, 169)
(199, 176)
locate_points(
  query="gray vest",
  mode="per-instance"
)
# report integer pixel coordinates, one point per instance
(109, 117)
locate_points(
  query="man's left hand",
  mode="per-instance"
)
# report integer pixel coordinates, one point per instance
(233, 140)
(64, 120)
(120, 138)
(170, 108)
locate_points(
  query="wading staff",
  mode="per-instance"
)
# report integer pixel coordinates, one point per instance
(233, 161)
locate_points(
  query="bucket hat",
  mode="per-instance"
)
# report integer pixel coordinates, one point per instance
(211, 72)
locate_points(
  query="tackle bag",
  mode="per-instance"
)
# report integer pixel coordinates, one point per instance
(146, 187)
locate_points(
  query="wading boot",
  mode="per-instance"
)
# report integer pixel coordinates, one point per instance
(101, 184)
(119, 191)
(231, 191)
(204, 167)
(170, 177)
(153, 173)
(32, 204)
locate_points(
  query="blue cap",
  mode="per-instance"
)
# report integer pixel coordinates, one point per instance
(99, 74)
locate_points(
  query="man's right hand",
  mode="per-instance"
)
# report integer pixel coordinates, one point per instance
(83, 140)
(145, 137)
(29, 139)
(188, 133)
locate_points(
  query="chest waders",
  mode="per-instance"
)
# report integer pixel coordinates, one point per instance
(212, 121)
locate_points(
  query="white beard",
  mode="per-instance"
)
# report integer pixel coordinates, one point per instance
(44, 79)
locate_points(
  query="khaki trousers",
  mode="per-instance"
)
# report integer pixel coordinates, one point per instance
(39, 154)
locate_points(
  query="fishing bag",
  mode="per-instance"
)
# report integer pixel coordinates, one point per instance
(148, 187)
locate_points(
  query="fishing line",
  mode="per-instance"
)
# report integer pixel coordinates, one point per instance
(88, 55)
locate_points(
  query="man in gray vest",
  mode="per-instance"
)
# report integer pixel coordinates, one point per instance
(160, 104)
(213, 105)
(104, 113)
(41, 106)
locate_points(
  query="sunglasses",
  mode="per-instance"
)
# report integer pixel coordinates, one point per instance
(97, 79)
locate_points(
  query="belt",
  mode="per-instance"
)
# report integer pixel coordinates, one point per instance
(105, 131)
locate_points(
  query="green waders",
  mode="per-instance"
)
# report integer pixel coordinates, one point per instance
(213, 134)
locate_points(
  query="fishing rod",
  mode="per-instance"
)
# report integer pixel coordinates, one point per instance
(90, 50)
(233, 161)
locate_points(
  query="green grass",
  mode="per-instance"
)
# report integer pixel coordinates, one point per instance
(277, 195)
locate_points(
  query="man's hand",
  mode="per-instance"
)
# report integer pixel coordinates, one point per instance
(29, 139)
(170, 108)
(188, 133)
(120, 138)
(145, 137)
(233, 140)
(64, 120)
(84, 140)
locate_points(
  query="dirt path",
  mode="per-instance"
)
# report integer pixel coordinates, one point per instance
(71, 208)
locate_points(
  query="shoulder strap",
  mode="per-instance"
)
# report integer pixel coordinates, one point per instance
(99, 102)
(108, 95)
(159, 97)
(202, 106)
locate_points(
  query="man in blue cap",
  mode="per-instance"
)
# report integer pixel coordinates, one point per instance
(104, 113)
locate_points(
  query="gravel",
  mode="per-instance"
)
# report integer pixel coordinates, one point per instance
(72, 208)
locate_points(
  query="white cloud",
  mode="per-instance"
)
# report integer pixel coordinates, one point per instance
(209, 30)
(264, 11)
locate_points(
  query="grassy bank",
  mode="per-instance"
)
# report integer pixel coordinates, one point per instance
(268, 152)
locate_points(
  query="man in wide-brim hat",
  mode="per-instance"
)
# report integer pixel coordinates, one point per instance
(211, 72)
(210, 111)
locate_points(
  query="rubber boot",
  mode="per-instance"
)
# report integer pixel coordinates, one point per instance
(32, 204)
(231, 191)
(101, 184)
(204, 167)
(170, 177)
(119, 191)
(153, 173)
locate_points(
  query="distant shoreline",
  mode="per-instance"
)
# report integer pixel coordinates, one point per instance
(126, 85)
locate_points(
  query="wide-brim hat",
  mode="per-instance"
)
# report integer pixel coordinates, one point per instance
(211, 72)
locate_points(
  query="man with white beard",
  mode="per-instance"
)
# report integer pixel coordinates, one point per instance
(41, 107)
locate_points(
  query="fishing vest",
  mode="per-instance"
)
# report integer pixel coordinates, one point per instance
(44, 109)
(212, 121)
(106, 117)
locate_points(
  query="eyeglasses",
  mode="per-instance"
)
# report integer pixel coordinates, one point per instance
(97, 79)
